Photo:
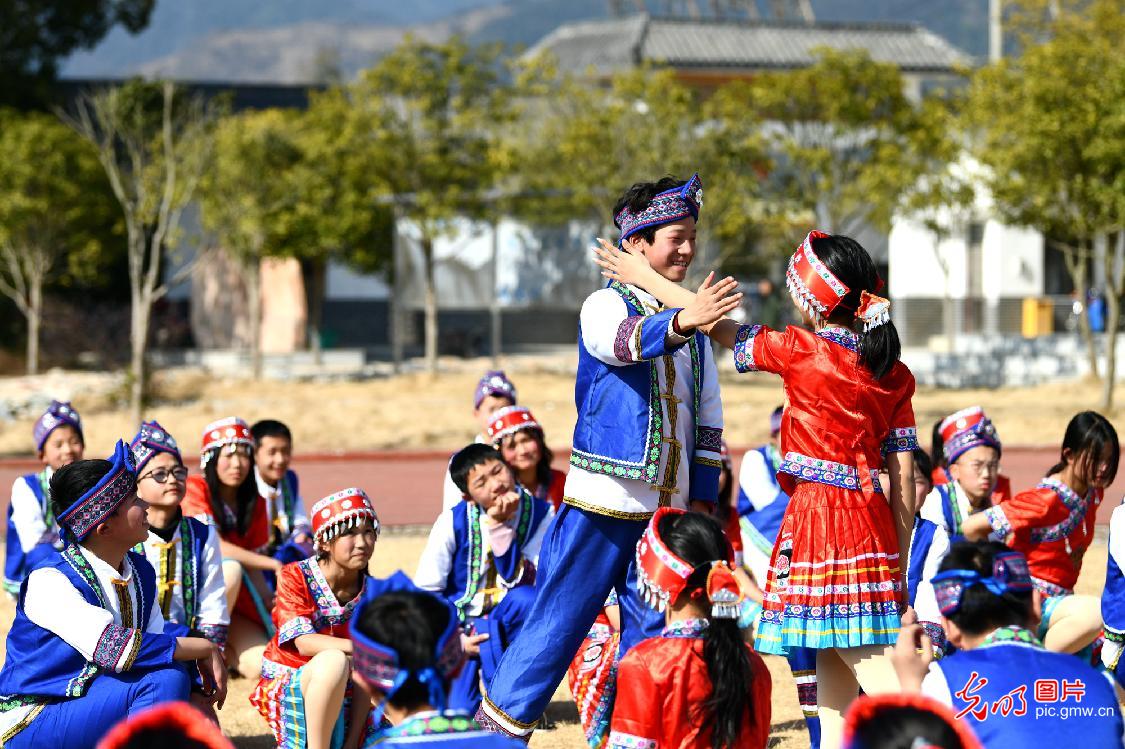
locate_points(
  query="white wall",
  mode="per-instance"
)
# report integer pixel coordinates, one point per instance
(1012, 260)
(913, 255)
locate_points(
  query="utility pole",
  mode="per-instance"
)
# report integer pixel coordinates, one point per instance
(995, 32)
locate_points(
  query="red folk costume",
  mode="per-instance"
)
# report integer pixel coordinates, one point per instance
(1052, 526)
(665, 678)
(305, 604)
(835, 578)
(511, 419)
(231, 433)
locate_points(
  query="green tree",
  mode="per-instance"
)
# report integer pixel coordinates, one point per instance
(1048, 125)
(36, 34)
(154, 148)
(54, 200)
(245, 195)
(840, 132)
(429, 113)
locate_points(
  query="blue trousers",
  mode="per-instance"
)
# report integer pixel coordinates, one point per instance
(802, 662)
(585, 555)
(502, 624)
(80, 722)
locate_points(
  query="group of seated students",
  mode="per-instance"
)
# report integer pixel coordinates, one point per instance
(138, 585)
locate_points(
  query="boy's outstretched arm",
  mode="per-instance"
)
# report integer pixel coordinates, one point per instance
(703, 309)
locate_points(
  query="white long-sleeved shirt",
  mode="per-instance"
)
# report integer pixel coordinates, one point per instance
(925, 601)
(441, 548)
(275, 508)
(52, 602)
(27, 516)
(167, 558)
(933, 511)
(601, 317)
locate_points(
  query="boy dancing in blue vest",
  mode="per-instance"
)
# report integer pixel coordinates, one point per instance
(648, 435)
(1010, 690)
(88, 647)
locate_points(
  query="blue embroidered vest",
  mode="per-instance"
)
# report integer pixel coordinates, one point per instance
(40, 665)
(920, 542)
(193, 546)
(1008, 690)
(764, 524)
(620, 419)
(16, 563)
(469, 559)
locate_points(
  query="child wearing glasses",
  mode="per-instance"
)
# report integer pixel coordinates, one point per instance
(971, 448)
(1002, 682)
(184, 552)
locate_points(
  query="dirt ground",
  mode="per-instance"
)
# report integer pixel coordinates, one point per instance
(248, 729)
(421, 411)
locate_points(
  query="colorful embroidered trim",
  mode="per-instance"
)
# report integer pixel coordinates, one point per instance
(329, 612)
(112, 644)
(1078, 507)
(619, 740)
(901, 440)
(628, 329)
(841, 337)
(708, 438)
(687, 629)
(1049, 589)
(294, 628)
(216, 633)
(104, 498)
(666, 207)
(1011, 633)
(150, 440)
(813, 287)
(744, 348)
(1001, 528)
(826, 472)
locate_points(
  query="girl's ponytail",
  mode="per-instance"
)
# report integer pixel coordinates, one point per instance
(879, 345)
(728, 668)
(699, 541)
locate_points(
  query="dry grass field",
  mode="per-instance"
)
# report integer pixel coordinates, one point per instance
(399, 550)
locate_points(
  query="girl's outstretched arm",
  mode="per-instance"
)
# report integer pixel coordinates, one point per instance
(704, 309)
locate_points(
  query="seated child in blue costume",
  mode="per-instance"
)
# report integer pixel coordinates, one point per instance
(406, 647)
(481, 556)
(1113, 598)
(1009, 689)
(88, 646)
(290, 530)
(184, 552)
(32, 530)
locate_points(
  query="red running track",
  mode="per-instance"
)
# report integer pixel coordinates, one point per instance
(406, 486)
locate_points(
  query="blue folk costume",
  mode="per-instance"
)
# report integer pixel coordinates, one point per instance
(1113, 598)
(492, 593)
(648, 435)
(1010, 690)
(33, 534)
(63, 684)
(378, 664)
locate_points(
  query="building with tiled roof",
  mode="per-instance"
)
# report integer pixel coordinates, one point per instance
(708, 52)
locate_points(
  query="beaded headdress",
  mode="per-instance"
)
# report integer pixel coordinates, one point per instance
(966, 429)
(494, 382)
(508, 421)
(818, 291)
(342, 511)
(150, 440)
(229, 431)
(662, 576)
(59, 413)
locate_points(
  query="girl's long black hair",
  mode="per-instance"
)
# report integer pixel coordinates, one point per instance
(698, 539)
(1089, 433)
(246, 497)
(879, 348)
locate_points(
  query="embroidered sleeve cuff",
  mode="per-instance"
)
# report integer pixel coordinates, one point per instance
(709, 439)
(621, 740)
(901, 440)
(672, 339)
(216, 633)
(937, 637)
(117, 648)
(744, 348)
(1001, 528)
(1113, 635)
(294, 628)
(627, 343)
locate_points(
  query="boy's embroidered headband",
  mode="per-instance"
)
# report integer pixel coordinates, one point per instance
(340, 512)
(508, 421)
(102, 499)
(966, 429)
(666, 207)
(819, 292)
(150, 440)
(662, 576)
(378, 663)
(229, 431)
(59, 413)
(1009, 573)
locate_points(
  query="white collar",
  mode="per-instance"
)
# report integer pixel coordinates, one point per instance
(265, 490)
(104, 570)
